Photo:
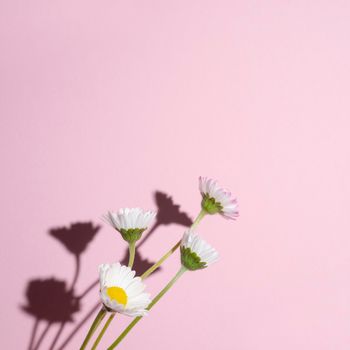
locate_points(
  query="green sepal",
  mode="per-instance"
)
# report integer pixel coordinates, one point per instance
(191, 260)
(210, 205)
(131, 235)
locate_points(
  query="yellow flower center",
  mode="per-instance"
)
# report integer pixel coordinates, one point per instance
(118, 294)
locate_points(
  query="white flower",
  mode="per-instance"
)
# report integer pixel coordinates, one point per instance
(131, 218)
(130, 222)
(122, 292)
(216, 199)
(196, 253)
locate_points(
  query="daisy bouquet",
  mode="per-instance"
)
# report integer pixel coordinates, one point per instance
(121, 291)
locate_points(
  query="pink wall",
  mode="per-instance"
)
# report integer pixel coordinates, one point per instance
(105, 102)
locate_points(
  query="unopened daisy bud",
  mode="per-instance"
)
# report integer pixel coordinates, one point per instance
(131, 223)
(216, 199)
(196, 254)
(121, 291)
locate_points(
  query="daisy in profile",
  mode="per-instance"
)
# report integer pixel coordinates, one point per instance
(196, 253)
(121, 291)
(130, 222)
(216, 199)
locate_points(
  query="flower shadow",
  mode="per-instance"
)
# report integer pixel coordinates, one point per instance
(167, 213)
(54, 301)
(75, 237)
(50, 300)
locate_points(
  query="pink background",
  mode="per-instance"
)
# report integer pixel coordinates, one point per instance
(105, 102)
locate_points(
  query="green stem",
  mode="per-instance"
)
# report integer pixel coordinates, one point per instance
(160, 261)
(132, 250)
(154, 301)
(93, 327)
(198, 219)
(154, 267)
(98, 339)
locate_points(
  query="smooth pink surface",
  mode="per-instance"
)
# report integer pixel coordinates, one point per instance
(104, 102)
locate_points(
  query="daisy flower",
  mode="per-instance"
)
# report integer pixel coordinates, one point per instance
(130, 222)
(196, 253)
(121, 291)
(216, 199)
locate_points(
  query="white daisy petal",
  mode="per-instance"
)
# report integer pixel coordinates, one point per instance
(226, 204)
(130, 218)
(199, 247)
(121, 292)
